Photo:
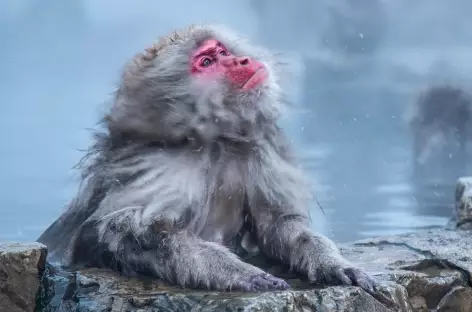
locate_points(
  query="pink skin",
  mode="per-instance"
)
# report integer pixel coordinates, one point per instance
(212, 59)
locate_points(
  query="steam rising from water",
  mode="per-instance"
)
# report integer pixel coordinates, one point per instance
(352, 81)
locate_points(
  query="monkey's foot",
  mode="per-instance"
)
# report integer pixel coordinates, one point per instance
(346, 275)
(260, 282)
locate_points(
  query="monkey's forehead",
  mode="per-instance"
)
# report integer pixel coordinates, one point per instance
(191, 37)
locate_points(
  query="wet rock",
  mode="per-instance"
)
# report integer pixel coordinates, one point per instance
(457, 300)
(102, 290)
(21, 266)
(431, 265)
(422, 271)
(462, 217)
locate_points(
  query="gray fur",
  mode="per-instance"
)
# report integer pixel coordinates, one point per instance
(440, 122)
(180, 168)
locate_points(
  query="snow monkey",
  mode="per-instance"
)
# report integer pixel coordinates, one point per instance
(439, 121)
(190, 152)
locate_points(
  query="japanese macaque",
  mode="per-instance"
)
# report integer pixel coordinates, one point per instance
(440, 124)
(190, 155)
(440, 127)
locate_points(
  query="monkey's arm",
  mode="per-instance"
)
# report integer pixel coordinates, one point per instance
(184, 259)
(287, 237)
(142, 227)
(278, 206)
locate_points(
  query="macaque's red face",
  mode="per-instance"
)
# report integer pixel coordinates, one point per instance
(212, 59)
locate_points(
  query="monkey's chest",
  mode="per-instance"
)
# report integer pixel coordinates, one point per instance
(225, 219)
(227, 204)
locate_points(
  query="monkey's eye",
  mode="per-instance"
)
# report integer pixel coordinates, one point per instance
(224, 53)
(206, 62)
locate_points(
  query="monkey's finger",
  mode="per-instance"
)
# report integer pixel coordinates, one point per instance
(247, 287)
(274, 283)
(268, 282)
(280, 284)
(340, 275)
(257, 283)
(361, 279)
(277, 283)
(251, 285)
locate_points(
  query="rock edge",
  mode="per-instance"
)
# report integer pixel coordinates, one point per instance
(417, 272)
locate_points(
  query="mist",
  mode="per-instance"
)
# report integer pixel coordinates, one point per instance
(354, 69)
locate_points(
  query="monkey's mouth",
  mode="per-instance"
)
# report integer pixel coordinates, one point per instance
(255, 80)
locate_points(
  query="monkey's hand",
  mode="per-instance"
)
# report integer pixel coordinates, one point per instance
(336, 270)
(312, 255)
(219, 268)
(185, 259)
(260, 282)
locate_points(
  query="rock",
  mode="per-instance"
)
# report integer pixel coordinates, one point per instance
(431, 265)
(462, 216)
(416, 272)
(422, 271)
(457, 300)
(101, 290)
(21, 266)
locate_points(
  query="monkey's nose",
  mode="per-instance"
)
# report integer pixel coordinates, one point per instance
(229, 61)
(236, 61)
(244, 60)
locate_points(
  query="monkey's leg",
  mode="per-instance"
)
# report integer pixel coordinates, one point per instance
(184, 259)
(289, 239)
